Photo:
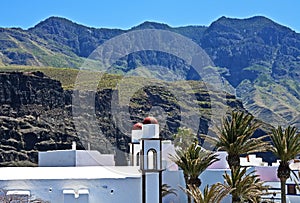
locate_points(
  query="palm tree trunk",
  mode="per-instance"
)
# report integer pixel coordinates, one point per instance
(233, 160)
(235, 197)
(236, 200)
(186, 186)
(283, 195)
(189, 199)
(283, 173)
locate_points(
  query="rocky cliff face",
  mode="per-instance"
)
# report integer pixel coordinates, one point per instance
(33, 117)
(21, 89)
(36, 115)
(257, 56)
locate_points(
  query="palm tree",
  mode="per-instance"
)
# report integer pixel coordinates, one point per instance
(235, 137)
(286, 145)
(247, 187)
(214, 194)
(193, 161)
(184, 138)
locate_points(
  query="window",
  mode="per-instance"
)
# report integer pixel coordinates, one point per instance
(291, 189)
(138, 159)
(152, 159)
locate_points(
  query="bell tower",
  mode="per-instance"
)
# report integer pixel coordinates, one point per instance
(151, 162)
(136, 134)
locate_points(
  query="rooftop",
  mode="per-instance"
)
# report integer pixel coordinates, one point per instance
(56, 173)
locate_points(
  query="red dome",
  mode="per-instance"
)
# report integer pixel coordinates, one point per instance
(150, 120)
(137, 126)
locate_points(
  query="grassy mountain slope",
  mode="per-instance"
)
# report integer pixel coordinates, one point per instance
(258, 57)
(36, 113)
(262, 59)
(19, 47)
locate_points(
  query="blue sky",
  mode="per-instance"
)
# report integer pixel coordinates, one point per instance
(125, 14)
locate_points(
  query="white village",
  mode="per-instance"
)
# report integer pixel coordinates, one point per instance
(86, 176)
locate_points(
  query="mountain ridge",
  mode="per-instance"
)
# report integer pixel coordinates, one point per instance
(257, 56)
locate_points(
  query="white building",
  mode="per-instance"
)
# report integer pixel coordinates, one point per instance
(268, 174)
(93, 184)
(75, 176)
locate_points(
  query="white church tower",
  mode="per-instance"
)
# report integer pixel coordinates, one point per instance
(136, 135)
(151, 161)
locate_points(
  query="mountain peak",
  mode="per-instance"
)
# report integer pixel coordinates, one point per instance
(151, 25)
(55, 21)
(255, 22)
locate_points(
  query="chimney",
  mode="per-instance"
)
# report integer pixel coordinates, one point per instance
(73, 145)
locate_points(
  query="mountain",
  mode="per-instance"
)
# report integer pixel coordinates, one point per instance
(37, 114)
(79, 39)
(262, 61)
(258, 57)
(19, 47)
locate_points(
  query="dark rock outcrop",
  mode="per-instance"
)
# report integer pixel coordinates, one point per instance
(32, 116)
(36, 114)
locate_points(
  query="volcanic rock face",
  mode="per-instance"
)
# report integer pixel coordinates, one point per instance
(36, 114)
(258, 57)
(18, 89)
(32, 116)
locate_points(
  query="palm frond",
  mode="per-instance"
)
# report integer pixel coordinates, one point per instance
(194, 160)
(213, 194)
(167, 190)
(235, 136)
(286, 143)
(247, 186)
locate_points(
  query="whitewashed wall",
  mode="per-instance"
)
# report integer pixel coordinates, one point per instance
(100, 191)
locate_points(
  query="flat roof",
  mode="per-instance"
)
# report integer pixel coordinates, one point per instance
(18, 192)
(82, 172)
